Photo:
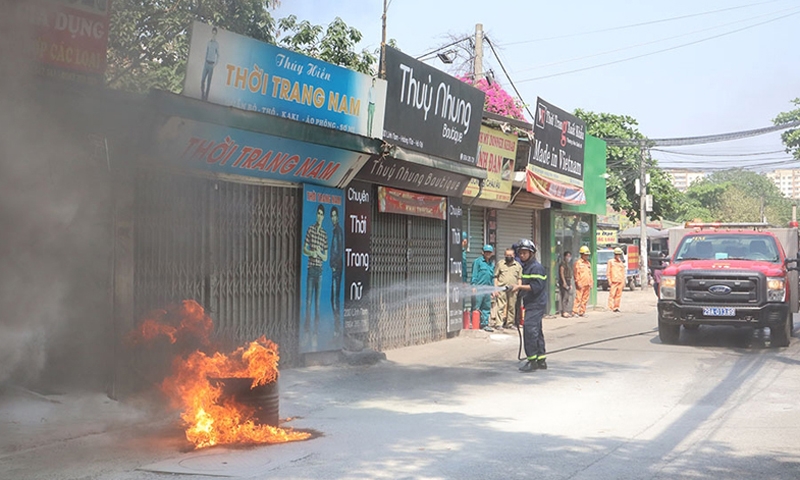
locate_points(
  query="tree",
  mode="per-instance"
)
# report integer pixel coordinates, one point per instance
(791, 137)
(148, 40)
(738, 195)
(335, 44)
(623, 163)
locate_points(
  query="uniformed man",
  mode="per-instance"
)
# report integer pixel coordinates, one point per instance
(615, 269)
(583, 281)
(533, 290)
(506, 274)
(483, 275)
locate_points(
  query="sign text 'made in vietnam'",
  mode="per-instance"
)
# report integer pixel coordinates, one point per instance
(430, 111)
(241, 72)
(558, 142)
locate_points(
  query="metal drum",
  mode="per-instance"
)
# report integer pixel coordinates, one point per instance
(262, 399)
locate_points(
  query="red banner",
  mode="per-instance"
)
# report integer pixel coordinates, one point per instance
(392, 200)
(561, 192)
(70, 38)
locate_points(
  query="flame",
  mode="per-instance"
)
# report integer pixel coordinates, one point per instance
(208, 417)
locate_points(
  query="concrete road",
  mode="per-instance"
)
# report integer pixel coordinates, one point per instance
(615, 403)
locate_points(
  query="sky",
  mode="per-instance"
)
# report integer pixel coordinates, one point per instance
(738, 81)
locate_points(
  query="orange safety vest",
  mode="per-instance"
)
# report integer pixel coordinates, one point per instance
(615, 271)
(583, 273)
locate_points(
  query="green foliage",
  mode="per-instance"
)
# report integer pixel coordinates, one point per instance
(736, 195)
(622, 164)
(335, 44)
(149, 39)
(791, 137)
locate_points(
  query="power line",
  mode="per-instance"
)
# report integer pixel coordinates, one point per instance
(724, 137)
(630, 47)
(441, 48)
(658, 51)
(505, 72)
(652, 22)
(717, 154)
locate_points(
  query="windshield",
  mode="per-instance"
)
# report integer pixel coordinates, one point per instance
(738, 246)
(604, 256)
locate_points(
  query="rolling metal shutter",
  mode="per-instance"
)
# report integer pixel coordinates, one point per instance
(513, 224)
(476, 230)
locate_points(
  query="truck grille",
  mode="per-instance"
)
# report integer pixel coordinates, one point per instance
(742, 289)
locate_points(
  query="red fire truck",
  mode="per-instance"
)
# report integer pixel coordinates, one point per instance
(743, 275)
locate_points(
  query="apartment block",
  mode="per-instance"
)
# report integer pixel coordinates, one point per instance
(788, 181)
(683, 179)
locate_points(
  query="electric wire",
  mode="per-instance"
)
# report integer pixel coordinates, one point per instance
(437, 50)
(695, 42)
(652, 42)
(622, 27)
(510, 81)
(717, 154)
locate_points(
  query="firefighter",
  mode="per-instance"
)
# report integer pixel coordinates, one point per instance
(534, 298)
(583, 281)
(616, 279)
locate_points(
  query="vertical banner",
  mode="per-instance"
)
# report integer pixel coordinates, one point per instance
(454, 229)
(321, 292)
(358, 228)
(491, 227)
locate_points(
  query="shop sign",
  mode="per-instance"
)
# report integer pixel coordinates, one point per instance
(241, 72)
(555, 162)
(205, 146)
(429, 111)
(455, 216)
(491, 226)
(358, 228)
(392, 200)
(321, 274)
(406, 175)
(496, 154)
(605, 237)
(69, 38)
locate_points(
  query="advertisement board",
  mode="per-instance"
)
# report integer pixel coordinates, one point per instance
(392, 200)
(237, 71)
(455, 216)
(358, 228)
(406, 175)
(323, 257)
(429, 111)
(555, 163)
(216, 148)
(70, 38)
(496, 154)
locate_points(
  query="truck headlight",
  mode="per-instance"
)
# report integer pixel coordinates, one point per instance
(776, 289)
(667, 288)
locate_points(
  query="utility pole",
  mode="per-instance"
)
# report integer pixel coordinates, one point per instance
(644, 257)
(382, 69)
(478, 65)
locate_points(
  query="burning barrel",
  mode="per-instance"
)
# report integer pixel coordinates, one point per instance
(262, 399)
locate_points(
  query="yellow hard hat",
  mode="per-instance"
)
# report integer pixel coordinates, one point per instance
(584, 250)
(618, 251)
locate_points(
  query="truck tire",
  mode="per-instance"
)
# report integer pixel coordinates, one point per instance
(668, 334)
(779, 335)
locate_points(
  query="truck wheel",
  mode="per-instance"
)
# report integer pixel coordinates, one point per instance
(605, 287)
(668, 334)
(779, 335)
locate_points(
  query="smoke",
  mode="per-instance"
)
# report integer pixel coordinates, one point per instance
(54, 215)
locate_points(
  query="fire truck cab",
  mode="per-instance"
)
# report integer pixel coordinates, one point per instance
(743, 275)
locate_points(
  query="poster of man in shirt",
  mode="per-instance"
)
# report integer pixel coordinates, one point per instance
(321, 295)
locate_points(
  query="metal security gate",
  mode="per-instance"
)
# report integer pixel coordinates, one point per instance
(234, 248)
(408, 296)
(512, 225)
(474, 218)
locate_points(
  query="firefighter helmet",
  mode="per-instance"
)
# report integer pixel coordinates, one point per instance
(525, 244)
(584, 250)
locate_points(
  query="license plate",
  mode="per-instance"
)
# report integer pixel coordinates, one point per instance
(719, 311)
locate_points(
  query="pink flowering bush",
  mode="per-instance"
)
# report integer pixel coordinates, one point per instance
(497, 100)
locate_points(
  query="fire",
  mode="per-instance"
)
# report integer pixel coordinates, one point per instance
(194, 386)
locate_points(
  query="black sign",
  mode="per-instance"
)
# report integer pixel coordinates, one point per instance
(392, 172)
(429, 111)
(358, 225)
(455, 213)
(558, 141)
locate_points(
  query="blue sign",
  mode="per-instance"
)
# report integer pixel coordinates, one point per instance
(205, 146)
(241, 72)
(322, 270)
